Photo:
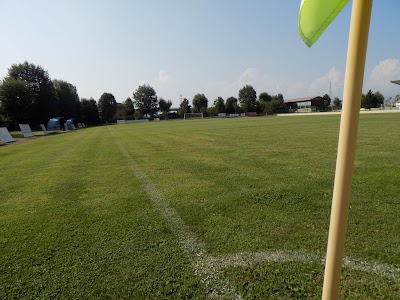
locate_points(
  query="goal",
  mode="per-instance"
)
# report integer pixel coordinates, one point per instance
(189, 116)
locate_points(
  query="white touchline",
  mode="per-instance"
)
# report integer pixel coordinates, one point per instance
(209, 267)
(249, 258)
(217, 285)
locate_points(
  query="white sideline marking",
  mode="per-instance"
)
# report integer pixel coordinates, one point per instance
(208, 267)
(202, 263)
(384, 270)
(248, 258)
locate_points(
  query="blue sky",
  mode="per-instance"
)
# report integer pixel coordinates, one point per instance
(187, 47)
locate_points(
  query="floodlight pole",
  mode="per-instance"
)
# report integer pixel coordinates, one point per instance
(355, 65)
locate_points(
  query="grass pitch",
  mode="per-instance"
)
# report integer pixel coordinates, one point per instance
(196, 209)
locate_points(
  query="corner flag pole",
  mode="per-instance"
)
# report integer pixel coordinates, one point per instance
(355, 65)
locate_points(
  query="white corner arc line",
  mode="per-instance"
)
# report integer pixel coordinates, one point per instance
(208, 267)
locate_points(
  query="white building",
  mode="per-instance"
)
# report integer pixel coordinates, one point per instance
(398, 100)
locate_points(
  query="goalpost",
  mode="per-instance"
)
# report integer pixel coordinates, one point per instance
(188, 116)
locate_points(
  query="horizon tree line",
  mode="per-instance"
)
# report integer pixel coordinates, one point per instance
(29, 95)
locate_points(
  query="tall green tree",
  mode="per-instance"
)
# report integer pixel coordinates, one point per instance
(107, 107)
(184, 107)
(219, 105)
(16, 100)
(129, 108)
(379, 98)
(90, 111)
(367, 100)
(275, 105)
(146, 100)
(231, 105)
(337, 103)
(165, 106)
(327, 100)
(248, 98)
(200, 103)
(120, 112)
(278, 97)
(68, 103)
(211, 111)
(263, 99)
(372, 100)
(45, 99)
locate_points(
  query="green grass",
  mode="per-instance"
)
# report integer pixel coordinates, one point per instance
(75, 222)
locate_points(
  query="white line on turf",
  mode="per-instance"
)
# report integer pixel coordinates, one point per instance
(249, 258)
(203, 266)
(209, 267)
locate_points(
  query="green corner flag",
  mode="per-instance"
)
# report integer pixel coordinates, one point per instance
(315, 16)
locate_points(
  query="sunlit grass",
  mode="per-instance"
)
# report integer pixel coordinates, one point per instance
(76, 223)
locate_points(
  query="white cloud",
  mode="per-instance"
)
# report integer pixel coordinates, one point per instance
(167, 85)
(382, 74)
(249, 76)
(320, 86)
(227, 89)
(163, 77)
(164, 85)
(290, 88)
(142, 82)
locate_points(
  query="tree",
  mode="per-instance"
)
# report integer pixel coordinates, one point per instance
(200, 103)
(231, 105)
(278, 97)
(90, 111)
(337, 103)
(379, 99)
(371, 100)
(211, 111)
(367, 100)
(219, 105)
(120, 112)
(259, 108)
(273, 106)
(327, 100)
(16, 100)
(44, 102)
(165, 107)
(146, 100)
(4, 120)
(184, 107)
(129, 108)
(264, 97)
(107, 106)
(247, 98)
(68, 103)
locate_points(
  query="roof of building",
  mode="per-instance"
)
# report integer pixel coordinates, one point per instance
(301, 99)
(395, 81)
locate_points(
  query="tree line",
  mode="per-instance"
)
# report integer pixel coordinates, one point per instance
(247, 101)
(29, 95)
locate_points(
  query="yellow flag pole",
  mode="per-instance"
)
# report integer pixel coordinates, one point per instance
(356, 53)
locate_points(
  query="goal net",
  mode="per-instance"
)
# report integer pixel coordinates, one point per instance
(189, 116)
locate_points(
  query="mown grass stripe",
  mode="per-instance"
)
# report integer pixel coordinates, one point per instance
(84, 226)
(193, 248)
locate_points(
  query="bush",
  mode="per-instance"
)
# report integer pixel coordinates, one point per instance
(275, 106)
